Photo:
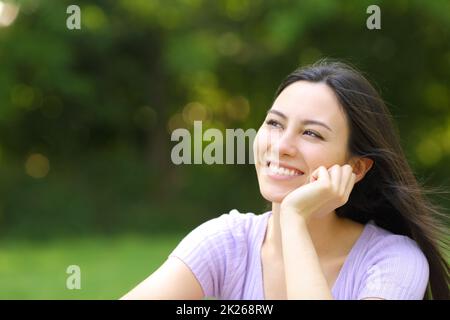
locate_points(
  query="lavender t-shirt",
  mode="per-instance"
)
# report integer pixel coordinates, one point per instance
(224, 254)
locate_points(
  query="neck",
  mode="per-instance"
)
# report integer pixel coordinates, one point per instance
(322, 231)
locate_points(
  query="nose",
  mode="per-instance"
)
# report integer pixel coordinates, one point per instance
(285, 145)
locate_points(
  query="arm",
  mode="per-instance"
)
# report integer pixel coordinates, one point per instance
(310, 283)
(172, 281)
(325, 192)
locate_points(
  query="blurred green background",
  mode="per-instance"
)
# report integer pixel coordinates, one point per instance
(86, 117)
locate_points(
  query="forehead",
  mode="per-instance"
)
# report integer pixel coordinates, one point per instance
(309, 100)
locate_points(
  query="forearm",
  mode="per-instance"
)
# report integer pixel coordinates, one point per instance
(304, 276)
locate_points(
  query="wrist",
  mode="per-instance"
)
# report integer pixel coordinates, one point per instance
(299, 213)
(292, 216)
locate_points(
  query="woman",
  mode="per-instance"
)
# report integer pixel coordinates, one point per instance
(348, 218)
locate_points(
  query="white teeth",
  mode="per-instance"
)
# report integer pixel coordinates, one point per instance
(283, 171)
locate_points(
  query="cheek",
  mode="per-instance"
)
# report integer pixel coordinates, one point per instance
(321, 155)
(315, 156)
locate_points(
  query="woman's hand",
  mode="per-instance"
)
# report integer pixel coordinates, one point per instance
(326, 191)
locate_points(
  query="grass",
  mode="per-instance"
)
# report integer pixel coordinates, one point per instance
(110, 267)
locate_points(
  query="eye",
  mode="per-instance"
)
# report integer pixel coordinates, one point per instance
(313, 134)
(274, 123)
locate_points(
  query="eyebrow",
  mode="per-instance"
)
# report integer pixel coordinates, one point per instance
(304, 122)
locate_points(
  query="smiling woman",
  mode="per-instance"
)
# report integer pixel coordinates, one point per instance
(348, 218)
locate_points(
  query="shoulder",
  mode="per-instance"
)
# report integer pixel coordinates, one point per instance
(394, 266)
(233, 225)
(217, 250)
(228, 231)
(383, 244)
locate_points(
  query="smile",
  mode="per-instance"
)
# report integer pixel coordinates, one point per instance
(279, 171)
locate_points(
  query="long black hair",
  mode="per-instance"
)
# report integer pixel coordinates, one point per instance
(389, 194)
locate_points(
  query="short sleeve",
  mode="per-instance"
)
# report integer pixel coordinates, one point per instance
(202, 250)
(398, 270)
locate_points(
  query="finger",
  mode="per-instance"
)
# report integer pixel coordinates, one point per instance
(336, 177)
(347, 171)
(351, 184)
(321, 173)
(314, 175)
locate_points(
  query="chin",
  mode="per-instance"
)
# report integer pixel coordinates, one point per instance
(276, 196)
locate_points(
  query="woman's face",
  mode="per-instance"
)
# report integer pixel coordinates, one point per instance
(305, 129)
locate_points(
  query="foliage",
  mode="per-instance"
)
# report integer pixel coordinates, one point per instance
(97, 105)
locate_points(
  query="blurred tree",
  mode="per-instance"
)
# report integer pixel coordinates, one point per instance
(89, 112)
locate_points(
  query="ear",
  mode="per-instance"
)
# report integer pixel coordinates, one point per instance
(360, 167)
